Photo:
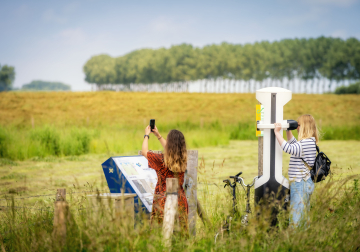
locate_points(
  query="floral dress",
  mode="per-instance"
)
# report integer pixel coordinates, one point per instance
(156, 162)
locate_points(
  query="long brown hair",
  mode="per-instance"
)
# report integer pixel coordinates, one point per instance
(175, 154)
(307, 128)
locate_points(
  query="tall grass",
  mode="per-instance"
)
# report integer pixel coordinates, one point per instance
(333, 226)
(20, 144)
(25, 143)
(341, 133)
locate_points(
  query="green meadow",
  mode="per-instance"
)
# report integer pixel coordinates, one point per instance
(335, 205)
(59, 140)
(38, 125)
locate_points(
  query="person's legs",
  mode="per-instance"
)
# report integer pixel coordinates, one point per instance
(296, 202)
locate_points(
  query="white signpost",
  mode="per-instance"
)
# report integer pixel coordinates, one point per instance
(272, 185)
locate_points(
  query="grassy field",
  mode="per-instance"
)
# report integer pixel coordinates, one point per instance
(35, 175)
(84, 173)
(120, 109)
(66, 124)
(59, 140)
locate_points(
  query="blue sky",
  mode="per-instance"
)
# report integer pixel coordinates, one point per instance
(52, 40)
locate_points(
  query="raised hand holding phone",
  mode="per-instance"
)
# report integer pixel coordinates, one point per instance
(147, 130)
(156, 132)
(152, 124)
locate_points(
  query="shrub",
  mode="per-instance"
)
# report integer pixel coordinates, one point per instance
(77, 143)
(49, 137)
(351, 89)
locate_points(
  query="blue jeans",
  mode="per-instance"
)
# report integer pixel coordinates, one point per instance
(300, 193)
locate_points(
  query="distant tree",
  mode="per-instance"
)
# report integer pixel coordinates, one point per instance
(313, 60)
(101, 70)
(39, 85)
(351, 89)
(7, 77)
(353, 54)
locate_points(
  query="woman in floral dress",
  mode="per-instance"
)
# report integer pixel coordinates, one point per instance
(171, 164)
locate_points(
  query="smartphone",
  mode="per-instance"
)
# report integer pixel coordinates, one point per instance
(152, 124)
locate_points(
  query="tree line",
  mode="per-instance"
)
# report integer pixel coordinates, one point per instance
(38, 85)
(311, 60)
(7, 77)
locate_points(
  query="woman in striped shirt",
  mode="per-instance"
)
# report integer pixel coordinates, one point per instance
(303, 153)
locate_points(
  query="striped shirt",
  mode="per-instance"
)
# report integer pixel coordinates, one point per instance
(305, 149)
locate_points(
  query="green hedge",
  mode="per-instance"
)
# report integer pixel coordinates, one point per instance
(351, 89)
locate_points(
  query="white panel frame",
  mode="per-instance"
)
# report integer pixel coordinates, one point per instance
(283, 96)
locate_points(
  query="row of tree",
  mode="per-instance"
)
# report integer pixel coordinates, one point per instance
(311, 59)
(39, 85)
(7, 77)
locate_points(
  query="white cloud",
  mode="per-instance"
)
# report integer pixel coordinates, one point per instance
(50, 16)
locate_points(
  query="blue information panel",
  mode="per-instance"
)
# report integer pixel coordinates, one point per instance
(133, 175)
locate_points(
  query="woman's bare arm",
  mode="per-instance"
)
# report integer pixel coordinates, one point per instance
(161, 139)
(163, 142)
(145, 145)
(289, 135)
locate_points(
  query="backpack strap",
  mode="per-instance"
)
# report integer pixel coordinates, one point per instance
(317, 149)
(306, 164)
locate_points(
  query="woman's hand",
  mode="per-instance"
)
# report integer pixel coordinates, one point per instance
(156, 132)
(277, 127)
(147, 130)
(277, 133)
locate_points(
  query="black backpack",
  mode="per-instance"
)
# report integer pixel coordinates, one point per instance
(321, 166)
